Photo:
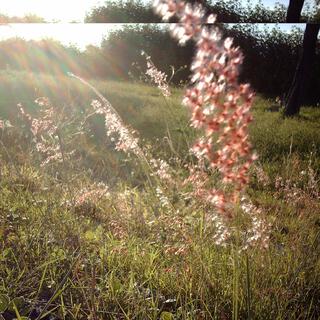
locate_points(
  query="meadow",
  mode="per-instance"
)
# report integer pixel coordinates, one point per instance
(103, 235)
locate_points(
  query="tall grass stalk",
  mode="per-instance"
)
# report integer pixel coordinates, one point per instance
(248, 289)
(66, 172)
(235, 298)
(236, 268)
(109, 106)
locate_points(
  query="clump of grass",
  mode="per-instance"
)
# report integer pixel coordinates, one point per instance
(127, 263)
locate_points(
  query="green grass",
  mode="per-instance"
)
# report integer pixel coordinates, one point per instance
(143, 108)
(128, 257)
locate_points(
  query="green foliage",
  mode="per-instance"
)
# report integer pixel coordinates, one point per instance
(142, 107)
(121, 266)
(274, 137)
(4, 302)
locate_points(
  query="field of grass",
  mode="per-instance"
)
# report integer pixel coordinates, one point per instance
(132, 253)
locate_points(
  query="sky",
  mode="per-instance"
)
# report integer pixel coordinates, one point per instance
(78, 34)
(69, 10)
(62, 10)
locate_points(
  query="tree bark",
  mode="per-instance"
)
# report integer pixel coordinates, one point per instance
(303, 71)
(294, 11)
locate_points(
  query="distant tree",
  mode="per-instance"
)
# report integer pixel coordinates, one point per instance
(123, 48)
(264, 50)
(227, 11)
(30, 18)
(130, 11)
(231, 11)
(45, 56)
(303, 73)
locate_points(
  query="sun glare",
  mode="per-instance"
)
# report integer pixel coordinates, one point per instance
(65, 11)
(79, 35)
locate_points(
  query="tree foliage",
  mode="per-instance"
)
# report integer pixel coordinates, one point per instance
(228, 11)
(132, 11)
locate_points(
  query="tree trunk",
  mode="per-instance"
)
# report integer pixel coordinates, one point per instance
(303, 71)
(294, 11)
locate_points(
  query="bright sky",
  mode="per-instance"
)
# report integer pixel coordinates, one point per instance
(68, 10)
(63, 10)
(79, 34)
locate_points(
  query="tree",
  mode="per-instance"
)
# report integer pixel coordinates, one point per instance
(303, 72)
(130, 11)
(294, 11)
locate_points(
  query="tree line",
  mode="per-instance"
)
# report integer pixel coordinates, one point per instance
(271, 57)
(227, 11)
(29, 18)
(232, 11)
